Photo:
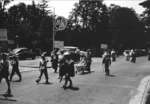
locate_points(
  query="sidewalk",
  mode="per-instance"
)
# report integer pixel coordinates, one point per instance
(143, 92)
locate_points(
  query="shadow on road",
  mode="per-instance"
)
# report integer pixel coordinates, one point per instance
(72, 88)
(111, 75)
(6, 97)
(50, 83)
(84, 73)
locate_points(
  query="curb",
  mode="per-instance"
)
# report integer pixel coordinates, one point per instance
(141, 95)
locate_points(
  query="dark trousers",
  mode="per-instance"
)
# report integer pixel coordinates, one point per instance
(5, 75)
(15, 70)
(107, 70)
(88, 66)
(55, 66)
(68, 79)
(43, 71)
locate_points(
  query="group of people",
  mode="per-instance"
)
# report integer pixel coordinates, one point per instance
(4, 70)
(85, 62)
(130, 55)
(110, 56)
(64, 61)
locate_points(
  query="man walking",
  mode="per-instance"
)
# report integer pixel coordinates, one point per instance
(54, 60)
(15, 68)
(68, 68)
(89, 60)
(43, 69)
(4, 72)
(106, 62)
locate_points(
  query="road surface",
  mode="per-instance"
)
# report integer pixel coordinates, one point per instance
(93, 88)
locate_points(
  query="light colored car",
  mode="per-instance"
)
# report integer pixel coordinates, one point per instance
(71, 49)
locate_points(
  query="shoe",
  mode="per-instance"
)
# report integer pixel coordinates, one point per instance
(70, 86)
(64, 87)
(47, 82)
(37, 81)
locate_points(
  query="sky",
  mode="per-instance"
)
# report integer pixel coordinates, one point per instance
(64, 7)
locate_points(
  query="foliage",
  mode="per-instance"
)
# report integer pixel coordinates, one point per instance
(125, 26)
(90, 23)
(88, 19)
(3, 13)
(146, 19)
(26, 22)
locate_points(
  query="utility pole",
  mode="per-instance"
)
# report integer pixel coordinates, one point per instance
(53, 29)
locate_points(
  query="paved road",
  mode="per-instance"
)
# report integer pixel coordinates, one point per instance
(92, 88)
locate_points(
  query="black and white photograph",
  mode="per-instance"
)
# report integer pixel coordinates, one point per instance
(74, 51)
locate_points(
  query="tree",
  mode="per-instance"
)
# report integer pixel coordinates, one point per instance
(146, 19)
(30, 25)
(89, 19)
(3, 13)
(3, 3)
(125, 27)
(43, 7)
(45, 30)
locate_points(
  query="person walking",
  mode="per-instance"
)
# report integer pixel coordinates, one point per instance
(15, 68)
(68, 69)
(88, 60)
(113, 55)
(43, 69)
(133, 56)
(106, 62)
(4, 72)
(54, 60)
(61, 61)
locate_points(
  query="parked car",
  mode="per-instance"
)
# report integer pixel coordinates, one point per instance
(23, 53)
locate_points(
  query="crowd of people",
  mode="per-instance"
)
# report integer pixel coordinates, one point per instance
(65, 62)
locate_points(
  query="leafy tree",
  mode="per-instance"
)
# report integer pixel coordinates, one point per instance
(45, 30)
(3, 3)
(43, 6)
(146, 19)
(126, 28)
(3, 13)
(88, 19)
(30, 25)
